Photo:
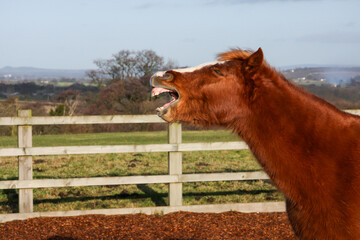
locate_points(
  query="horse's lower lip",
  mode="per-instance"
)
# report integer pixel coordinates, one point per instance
(163, 109)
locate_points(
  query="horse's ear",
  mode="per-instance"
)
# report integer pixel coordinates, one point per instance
(254, 61)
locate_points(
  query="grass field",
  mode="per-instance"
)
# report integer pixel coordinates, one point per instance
(119, 138)
(96, 165)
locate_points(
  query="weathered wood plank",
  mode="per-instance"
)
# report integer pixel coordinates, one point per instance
(213, 208)
(98, 181)
(185, 147)
(44, 151)
(175, 165)
(106, 119)
(87, 149)
(209, 177)
(25, 164)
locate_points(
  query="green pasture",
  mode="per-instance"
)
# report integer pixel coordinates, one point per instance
(120, 138)
(100, 165)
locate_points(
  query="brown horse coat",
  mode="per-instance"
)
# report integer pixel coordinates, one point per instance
(310, 149)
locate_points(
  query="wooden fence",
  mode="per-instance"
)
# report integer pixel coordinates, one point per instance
(174, 178)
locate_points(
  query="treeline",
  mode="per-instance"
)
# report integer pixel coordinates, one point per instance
(34, 91)
(121, 86)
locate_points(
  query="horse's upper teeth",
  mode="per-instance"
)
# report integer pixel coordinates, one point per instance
(153, 94)
(157, 90)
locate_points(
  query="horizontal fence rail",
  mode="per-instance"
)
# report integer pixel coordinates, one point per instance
(180, 147)
(97, 181)
(175, 178)
(106, 119)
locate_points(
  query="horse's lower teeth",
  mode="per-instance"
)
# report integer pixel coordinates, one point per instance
(159, 109)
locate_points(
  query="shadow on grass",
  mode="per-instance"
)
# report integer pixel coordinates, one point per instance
(156, 197)
(148, 192)
(229, 193)
(116, 174)
(132, 196)
(12, 203)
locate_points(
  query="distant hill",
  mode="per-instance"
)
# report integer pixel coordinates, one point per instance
(31, 73)
(333, 75)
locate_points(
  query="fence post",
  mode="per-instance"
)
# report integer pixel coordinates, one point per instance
(25, 164)
(175, 165)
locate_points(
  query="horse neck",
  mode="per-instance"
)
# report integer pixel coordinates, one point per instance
(282, 130)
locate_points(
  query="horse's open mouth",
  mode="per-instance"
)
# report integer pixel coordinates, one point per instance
(157, 91)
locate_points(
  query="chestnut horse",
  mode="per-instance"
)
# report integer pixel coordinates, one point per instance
(309, 148)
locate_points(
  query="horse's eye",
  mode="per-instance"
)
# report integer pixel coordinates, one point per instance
(217, 72)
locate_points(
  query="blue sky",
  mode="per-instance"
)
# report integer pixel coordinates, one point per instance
(71, 34)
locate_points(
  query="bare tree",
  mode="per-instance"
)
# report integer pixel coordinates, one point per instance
(148, 62)
(125, 65)
(71, 100)
(97, 77)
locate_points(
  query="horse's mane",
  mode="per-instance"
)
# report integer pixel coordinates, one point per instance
(234, 53)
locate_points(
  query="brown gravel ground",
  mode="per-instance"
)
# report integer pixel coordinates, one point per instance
(178, 225)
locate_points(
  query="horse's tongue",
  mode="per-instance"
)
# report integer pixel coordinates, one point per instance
(165, 105)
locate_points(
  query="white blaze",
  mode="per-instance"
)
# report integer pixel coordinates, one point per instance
(184, 70)
(159, 74)
(192, 69)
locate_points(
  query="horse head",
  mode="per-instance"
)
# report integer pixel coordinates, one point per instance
(209, 94)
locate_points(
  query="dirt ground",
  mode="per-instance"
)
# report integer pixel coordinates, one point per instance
(178, 225)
